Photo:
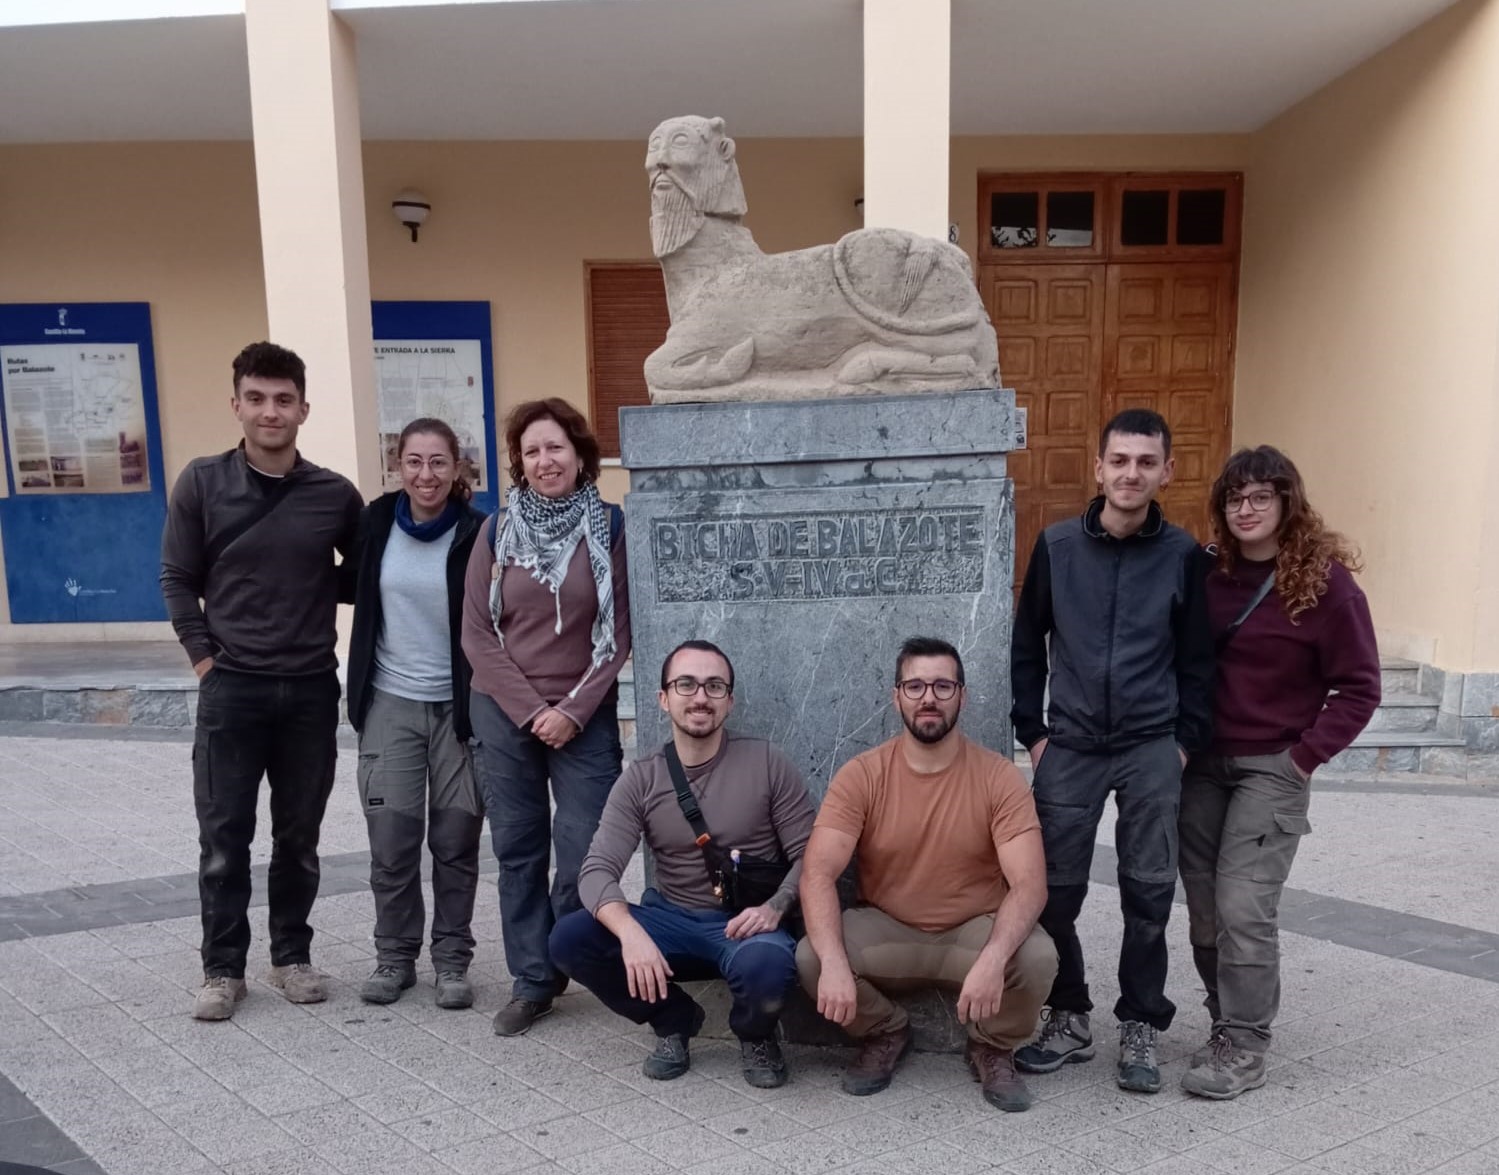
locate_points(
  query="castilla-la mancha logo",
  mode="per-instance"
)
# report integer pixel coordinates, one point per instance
(62, 316)
(76, 589)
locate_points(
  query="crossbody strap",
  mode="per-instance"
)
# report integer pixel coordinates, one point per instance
(1254, 602)
(685, 799)
(261, 511)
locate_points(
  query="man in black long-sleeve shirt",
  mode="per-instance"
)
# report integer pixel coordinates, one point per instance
(252, 533)
(1113, 611)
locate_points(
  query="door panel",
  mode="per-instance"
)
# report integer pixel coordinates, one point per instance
(1168, 341)
(1050, 323)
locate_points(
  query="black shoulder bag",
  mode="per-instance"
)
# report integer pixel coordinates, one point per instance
(739, 880)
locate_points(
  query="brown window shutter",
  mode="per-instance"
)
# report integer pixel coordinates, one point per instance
(627, 320)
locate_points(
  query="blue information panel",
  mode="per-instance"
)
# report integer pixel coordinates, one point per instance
(85, 492)
(437, 359)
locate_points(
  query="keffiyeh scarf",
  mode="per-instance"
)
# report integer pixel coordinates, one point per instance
(541, 534)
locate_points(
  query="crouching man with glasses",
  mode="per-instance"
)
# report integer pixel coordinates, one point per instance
(951, 881)
(726, 819)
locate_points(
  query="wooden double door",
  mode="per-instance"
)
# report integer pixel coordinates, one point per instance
(1080, 341)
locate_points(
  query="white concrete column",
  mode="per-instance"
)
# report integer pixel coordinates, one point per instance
(907, 120)
(304, 100)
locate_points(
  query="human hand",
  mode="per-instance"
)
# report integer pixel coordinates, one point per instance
(554, 728)
(983, 989)
(755, 920)
(202, 667)
(837, 998)
(1182, 752)
(646, 969)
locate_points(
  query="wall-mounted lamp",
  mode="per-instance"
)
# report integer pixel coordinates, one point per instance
(411, 209)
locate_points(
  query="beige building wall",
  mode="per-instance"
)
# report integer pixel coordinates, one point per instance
(1369, 303)
(177, 225)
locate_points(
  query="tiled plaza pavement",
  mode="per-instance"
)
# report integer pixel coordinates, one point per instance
(1382, 1066)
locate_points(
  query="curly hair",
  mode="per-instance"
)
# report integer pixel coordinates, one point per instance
(569, 419)
(1308, 549)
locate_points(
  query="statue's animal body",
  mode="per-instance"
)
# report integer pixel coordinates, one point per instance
(879, 311)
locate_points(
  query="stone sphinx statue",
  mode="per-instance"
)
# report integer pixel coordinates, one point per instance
(881, 310)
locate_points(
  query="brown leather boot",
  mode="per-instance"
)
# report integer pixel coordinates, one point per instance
(875, 1065)
(1003, 1087)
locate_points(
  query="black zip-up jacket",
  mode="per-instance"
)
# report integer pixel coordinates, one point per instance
(1131, 650)
(374, 532)
(263, 569)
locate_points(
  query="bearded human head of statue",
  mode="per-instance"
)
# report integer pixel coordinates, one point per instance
(693, 175)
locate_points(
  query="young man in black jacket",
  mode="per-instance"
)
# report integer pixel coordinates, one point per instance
(1113, 612)
(251, 586)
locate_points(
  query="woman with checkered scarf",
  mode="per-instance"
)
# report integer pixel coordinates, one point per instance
(546, 625)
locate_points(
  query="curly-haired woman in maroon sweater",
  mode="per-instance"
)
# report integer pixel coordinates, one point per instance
(1298, 678)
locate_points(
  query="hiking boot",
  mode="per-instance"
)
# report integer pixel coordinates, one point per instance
(454, 990)
(1138, 1070)
(217, 997)
(671, 1057)
(387, 981)
(995, 1067)
(1065, 1040)
(873, 1068)
(1226, 1072)
(516, 1017)
(300, 983)
(764, 1066)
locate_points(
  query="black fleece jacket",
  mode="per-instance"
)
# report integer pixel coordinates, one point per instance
(1130, 654)
(374, 532)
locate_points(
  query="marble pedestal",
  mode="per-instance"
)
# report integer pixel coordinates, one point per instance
(808, 538)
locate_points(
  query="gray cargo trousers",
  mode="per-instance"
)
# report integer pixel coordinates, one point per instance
(1242, 818)
(416, 778)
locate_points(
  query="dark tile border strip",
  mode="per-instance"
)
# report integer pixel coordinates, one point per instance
(1442, 946)
(154, 899)
(29, 1137)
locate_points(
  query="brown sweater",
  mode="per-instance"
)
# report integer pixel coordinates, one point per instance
(536, 667)
(752, 799)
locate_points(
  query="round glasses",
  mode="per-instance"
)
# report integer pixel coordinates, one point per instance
(1259, 501)
(714, 687)
(438, 465)
(914, 689)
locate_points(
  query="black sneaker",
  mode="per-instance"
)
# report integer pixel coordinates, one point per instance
(671, 1057)
(764, 1066)
(1138, 1070)
(454, 990)
(516, 1017)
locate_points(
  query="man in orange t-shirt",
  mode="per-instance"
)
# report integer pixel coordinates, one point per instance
(952, 878)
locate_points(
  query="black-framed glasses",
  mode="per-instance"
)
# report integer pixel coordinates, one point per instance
(714, 687)
(914, 689)
(1259, 501)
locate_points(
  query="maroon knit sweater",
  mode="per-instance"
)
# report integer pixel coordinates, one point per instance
(1311, 686)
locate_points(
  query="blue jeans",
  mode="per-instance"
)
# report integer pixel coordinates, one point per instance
(514, 767)
(760, 970)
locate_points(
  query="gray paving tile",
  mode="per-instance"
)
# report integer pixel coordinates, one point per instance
(37, 1142)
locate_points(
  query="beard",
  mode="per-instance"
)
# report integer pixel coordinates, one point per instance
(675, 219)
(699, 723)
(928, 727)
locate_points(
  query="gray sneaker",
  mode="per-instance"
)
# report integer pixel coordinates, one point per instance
(300, 983)
(1065, 1039)
(1138, 1070)
(516, 1017)
(454, 990)
(671, 1057)
(387, 981)
(217, 997)
(1226, 1072)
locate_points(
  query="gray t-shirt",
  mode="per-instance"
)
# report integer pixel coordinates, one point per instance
(752, 799)
(413, 652)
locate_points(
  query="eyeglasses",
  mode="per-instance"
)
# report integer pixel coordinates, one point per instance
(914, 689)
(1259, 501)
(438, 465)
(714, 687)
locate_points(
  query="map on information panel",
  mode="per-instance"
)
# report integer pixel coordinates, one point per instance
(75, 418)
(432, 377)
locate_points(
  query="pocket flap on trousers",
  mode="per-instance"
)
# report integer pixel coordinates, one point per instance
(1292, 825)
